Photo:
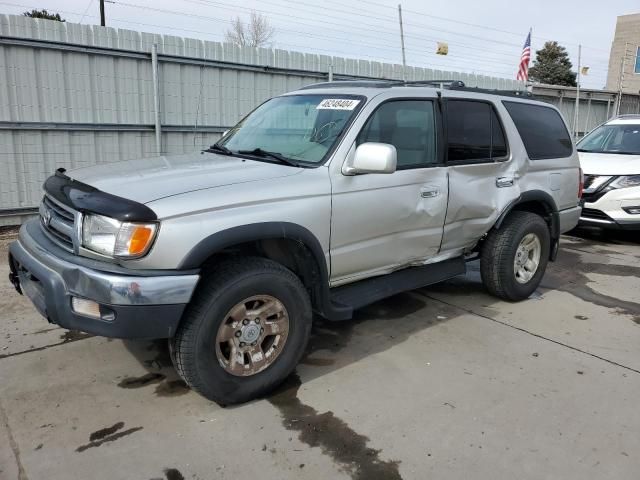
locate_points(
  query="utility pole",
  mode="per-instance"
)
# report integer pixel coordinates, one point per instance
(102, 22)
(575, 117)
(404, 58)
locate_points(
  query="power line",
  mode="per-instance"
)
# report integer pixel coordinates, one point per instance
(85, 11)
(376, 30)
(422, 54)
(476, 25)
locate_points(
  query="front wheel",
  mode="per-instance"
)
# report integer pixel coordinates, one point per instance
(244, 332)
(514, 257)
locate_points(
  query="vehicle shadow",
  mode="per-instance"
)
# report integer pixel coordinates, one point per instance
(332, 345)
(390, 322)
(597, 236)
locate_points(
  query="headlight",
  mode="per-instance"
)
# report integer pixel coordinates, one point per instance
(111, 237)
(626, 181)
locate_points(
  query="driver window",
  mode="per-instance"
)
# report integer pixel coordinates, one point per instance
(409, 126)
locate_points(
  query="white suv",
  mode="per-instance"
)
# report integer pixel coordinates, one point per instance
(610, 159)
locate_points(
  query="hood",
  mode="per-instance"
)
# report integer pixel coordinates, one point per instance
(150, 179)
(609, 163)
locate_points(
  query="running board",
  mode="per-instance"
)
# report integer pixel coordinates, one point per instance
(358, 294)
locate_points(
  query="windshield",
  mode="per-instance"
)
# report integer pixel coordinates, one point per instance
(621, 138)
(299, 127)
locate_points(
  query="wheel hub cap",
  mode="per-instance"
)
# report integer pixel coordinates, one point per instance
(527, 258)
(252, 335)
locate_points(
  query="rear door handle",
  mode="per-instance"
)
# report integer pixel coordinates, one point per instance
(502, 182)
(429, 192)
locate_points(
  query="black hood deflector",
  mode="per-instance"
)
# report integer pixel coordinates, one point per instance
(87, 199)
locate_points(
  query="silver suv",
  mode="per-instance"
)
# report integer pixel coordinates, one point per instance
(319, 201)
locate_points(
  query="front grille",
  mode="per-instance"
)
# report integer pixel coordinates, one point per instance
(58, 222)
(593, 197)
(594, 213)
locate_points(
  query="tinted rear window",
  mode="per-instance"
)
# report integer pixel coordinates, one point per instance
(541, 129)
(473, 132)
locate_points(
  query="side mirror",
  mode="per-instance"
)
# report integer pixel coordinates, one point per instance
(373, 157)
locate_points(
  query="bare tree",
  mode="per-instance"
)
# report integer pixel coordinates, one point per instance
(256, 33)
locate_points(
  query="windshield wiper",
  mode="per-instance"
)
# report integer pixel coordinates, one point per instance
(217, 148)
(258, 152)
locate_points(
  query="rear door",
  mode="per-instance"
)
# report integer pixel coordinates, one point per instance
(482, 177)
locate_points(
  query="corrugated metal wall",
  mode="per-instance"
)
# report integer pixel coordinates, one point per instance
(73, 95)
(62, 105)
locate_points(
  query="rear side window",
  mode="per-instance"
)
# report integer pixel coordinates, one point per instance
(542, 130)
(474, 132)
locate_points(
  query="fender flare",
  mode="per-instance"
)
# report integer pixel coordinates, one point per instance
(265, 231)
(549, 204)
(253, 232)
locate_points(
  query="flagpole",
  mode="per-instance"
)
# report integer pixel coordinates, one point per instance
(575, 117)
(528, 84)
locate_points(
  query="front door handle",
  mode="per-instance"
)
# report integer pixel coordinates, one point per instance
(429, 192)
(502, 182)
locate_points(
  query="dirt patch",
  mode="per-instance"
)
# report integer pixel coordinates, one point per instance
(106, 435)
(74, 336)
(105, 432)
(569, 274)
(173, 474)
(332, 435)
(143, 381)
(172, 388)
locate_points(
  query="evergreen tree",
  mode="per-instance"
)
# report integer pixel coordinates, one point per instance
(44, 14)
(552, 66)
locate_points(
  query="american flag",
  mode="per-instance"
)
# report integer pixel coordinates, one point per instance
(523, 69)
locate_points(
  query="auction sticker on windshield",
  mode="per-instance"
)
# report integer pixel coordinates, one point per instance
(337, 104)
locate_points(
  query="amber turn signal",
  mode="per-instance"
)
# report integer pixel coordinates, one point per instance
(140, 239)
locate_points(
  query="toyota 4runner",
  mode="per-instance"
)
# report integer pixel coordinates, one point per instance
(319, 201)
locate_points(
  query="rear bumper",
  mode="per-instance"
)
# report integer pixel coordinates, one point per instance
(134, 306)
(568, 219)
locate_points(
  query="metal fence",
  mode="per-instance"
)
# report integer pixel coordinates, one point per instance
(75, 95)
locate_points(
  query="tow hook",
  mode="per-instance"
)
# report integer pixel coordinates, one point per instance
(15, 281)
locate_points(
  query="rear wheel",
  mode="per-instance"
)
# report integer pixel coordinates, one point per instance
(244, 331)
(514, 257)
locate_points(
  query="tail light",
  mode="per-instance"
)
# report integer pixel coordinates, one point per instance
(580, 184)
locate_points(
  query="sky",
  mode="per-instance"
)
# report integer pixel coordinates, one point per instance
(484, 37)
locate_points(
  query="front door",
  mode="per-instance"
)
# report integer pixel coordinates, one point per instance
(383, 222)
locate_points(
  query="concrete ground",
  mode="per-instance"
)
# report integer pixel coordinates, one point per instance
(444, 382)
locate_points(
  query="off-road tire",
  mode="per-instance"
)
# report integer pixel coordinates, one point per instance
(193, 347)
(498, 252)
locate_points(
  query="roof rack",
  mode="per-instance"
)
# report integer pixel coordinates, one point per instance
(448, 84)
(354, 83)
(495, 91)
(436, 83)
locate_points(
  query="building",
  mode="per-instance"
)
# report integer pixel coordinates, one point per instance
(625, 51)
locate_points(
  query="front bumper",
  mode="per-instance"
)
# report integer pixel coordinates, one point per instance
(610, 210)
(140, 304)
